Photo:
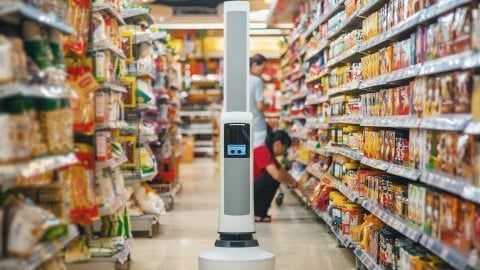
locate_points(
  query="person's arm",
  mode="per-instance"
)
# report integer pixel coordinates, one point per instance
(259, 96)
(261, 106)
(281, 175)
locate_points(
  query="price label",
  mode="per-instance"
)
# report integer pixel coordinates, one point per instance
(430, 242)
(444, 252)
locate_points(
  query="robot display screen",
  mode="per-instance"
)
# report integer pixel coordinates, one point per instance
(236, 140)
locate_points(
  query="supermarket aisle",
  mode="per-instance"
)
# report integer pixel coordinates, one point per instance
(295, 236)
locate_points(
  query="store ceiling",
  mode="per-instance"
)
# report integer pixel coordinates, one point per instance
(198, 14)
(190, 3)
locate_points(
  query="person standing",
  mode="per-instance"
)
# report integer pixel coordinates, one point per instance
(257, 99)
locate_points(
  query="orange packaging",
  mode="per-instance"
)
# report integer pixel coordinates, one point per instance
(448, 218)
(362, 178)
(466, 217)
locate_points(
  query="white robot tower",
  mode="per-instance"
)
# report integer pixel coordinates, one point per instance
(236, 248)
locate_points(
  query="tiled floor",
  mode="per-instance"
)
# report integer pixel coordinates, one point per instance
(296, 238)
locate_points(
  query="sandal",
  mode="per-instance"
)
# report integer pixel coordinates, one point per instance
(265, 219)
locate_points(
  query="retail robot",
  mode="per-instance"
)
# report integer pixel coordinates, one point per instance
(236, 248)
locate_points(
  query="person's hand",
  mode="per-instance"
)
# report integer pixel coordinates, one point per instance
(302, 190)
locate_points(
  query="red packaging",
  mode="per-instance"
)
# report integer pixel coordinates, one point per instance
(403, 95)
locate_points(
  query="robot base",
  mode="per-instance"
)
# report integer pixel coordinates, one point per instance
(245, 258)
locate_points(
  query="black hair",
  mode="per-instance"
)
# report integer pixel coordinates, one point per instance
(278, 135)
(257, 59)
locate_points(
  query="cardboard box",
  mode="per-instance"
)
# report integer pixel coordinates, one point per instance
(188, 149)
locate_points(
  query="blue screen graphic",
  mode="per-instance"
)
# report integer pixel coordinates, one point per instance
(236, 149)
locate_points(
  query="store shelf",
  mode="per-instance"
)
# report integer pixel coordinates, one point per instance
(300, 95)
(343, 89)
(343, 57)
(105, 44)
(9, 11)
(294, 39)
(162, 35)
(42, 252)
(197, 113)
(440, 8)
(333, 10)
(36, 90)
(346, 26)
(117, 204)
(196, 132)
(109, 9)
(146, 139)
(447, 63)
(366, 259)
(473, 128)
(345, 190)
(111, 163)
(147, 107)
(318, 174)
(312, 146)
(300, 196)
(148, 73)
(36, 166)
(445, 252)
(316, 52)
(346, 242)
(114, 86)
(403, 171)
(141, 37)
(133, 13)
(411, 22)
(399, 29)
(396, 223)
(111, 125)
(323, 216)
(375, 163)
(344, 151)
(456, 185)
(399, 170)
(121, 257)
(345, 119)
(391, 122)
(315, 78)
(453, 122)
(130, 180)
(389, 78)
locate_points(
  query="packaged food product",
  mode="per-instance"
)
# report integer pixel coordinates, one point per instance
(466, 217)
(77, 250)
(449, 219)
(432, 214)
(27, 225)
(36, 44)
(101, 106)
(462, 91)
(83, 206)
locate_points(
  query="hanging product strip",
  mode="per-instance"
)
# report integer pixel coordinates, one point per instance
(391, 89)
(37, 159)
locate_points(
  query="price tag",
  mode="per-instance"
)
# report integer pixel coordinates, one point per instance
(444, 252)
(430, 242)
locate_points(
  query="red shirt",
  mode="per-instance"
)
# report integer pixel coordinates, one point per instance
(261, 159)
